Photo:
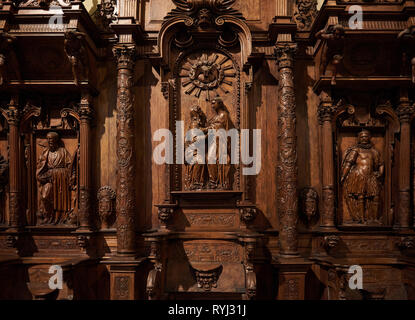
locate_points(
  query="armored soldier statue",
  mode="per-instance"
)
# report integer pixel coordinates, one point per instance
(362, 170)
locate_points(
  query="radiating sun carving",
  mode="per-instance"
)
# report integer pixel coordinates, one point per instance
(212, 73)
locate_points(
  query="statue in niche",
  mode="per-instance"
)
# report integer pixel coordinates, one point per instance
(56, 176)
(195, 171)
(219, 172)
(361, 172)
(309, 203)
(218, 166)
(4, 168)
(333, 50)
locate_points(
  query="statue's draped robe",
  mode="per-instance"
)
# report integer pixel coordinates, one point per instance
(55, 195)
(195, 172)
(219, 173)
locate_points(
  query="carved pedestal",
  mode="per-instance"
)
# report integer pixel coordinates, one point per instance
(125, 279)
(292, 278)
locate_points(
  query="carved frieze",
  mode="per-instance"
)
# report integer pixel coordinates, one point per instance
(211, 220)
(213, 252)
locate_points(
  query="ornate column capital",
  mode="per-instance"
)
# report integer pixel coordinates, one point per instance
(326, 109)
(86, 112)
(285, 52)
(405, 111)
(13, 113)
(126, 55)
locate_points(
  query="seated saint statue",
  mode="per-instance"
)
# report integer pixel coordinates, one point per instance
(55, 176)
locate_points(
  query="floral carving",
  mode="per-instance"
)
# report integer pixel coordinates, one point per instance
(304, 13)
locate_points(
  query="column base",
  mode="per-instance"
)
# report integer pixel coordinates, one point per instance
(292, 278)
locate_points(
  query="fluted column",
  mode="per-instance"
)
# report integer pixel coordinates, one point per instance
(15, 207)
(85, 113)
(405, 112)
(325, 114)
(125, 207)
(287, 200)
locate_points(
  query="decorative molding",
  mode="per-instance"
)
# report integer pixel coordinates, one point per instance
(214, 252)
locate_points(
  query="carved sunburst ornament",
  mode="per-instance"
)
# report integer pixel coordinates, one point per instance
(212, 74)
